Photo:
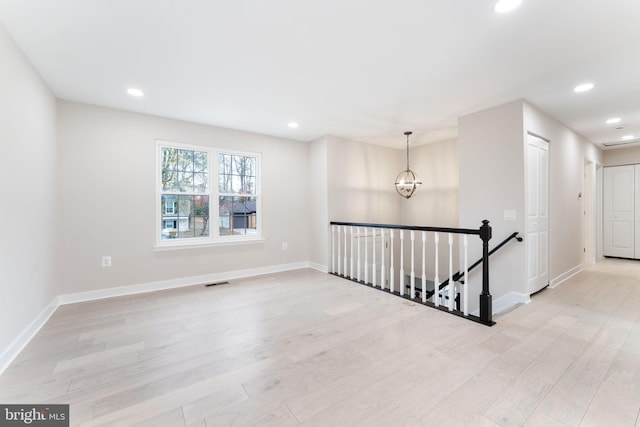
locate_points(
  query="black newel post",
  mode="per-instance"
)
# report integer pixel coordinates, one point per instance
(486, 309)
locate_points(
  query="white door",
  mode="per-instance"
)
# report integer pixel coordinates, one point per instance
(619, 211)
(537, 225)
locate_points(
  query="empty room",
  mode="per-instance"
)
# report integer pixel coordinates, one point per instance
(374, 213)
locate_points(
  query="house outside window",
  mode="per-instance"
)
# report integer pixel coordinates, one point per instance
(192, 209)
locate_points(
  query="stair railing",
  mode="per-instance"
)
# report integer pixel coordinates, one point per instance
(459, 276)
(346, 238)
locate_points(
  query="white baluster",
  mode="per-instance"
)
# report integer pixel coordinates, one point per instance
(436, 279)
(424, 269)
(345, 252)
(359, 244)
(465, 288)
(373, 249)
(452, 285)
(366, 256)
(382, 269)
(413, 271)
(391, 268)
(339, 260)
(351, 261)
(333, 248)
(401, 282)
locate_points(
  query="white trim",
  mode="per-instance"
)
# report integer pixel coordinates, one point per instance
(319, 267)
(506, 302)
(566, 276)
(208, 243)
(14, 349)
(214, 238)
(176, 283)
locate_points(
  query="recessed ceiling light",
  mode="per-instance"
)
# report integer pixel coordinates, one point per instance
(583, 87)
(293, 125)
(628, 137)
(135, 92)
(613, 120)
(504, 6)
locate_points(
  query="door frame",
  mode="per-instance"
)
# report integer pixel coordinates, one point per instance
(531, 291)
(589, 192)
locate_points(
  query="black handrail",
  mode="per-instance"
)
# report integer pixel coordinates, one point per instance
(458, 275)
(416, 228)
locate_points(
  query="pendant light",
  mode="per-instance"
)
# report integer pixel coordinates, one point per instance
(407, 182)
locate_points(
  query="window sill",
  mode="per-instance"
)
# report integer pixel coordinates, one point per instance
(208, 244)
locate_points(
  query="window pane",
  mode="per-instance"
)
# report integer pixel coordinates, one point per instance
(201, 212)
(185, 182)
(185, 160)
(169, 158)
(237, 216)
(200, 182)
(184, 170)
(237, 174)
(200, 161)
(169, 212)
(184, 216)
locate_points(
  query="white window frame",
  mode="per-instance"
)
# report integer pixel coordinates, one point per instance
(214, 238)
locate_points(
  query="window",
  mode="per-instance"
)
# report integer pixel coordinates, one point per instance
(193, 210)
(237, 194)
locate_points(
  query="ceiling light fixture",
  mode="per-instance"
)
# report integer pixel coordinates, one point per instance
(407, 182)
(628, 137)
(135, 92)
(583, 87)
(613, 120)
(293, 125)
(504, 6)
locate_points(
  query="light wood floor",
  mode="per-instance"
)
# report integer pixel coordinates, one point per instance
(308, 348)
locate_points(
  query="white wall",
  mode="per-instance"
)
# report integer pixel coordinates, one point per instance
(360, 182)
(491, 153)
(106, 203)
(621, 156)
(436, 203)
(492, 160)
(567, 151)
(27, 173)
(318, 204)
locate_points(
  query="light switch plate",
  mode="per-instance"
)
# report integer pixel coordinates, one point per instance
(509, 215)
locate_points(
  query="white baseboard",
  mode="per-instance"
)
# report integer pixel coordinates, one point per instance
(566, 276)
(506, 302)
(14, 349)
(319, 267)
(176, 283)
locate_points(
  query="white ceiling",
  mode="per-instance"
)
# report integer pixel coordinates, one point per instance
(360, 69)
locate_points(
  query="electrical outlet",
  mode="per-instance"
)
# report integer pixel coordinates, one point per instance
(106, 261)
(285, 246)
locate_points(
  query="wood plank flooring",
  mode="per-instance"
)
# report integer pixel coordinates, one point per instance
(306, 348)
